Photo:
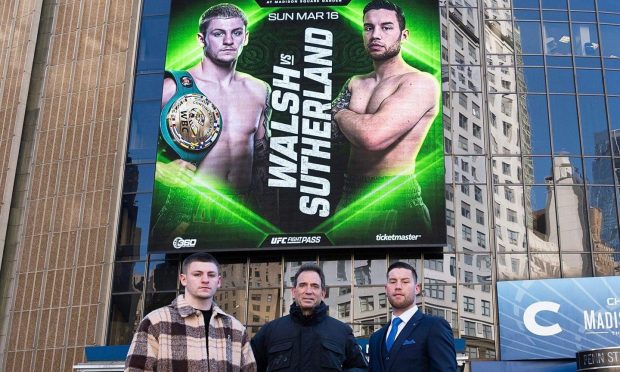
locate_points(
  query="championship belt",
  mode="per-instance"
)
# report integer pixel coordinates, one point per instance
(189, 123)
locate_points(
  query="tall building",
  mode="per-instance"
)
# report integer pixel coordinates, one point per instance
(531, 98)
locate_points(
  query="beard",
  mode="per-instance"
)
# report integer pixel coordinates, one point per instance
(389, 53)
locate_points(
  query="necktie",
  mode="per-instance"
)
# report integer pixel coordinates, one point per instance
(392, 336)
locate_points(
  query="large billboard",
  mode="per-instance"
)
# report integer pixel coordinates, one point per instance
(555, 318)
(300, 123)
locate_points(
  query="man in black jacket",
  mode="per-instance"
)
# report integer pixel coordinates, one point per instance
(307, 339)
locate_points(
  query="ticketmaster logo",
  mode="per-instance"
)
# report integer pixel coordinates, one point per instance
(179, 242)
(383, 237)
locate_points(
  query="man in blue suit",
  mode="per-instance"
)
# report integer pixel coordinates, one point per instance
(412, 341)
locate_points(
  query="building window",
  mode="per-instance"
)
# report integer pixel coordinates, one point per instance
(513, 236)
(344, 310)
(482, 239)
(382, 301)
(506, 169)
(485, 287)
(509, 194)
(465, 187)
(452, 266)
(464, 166)
(436, 265)
(463, 99)
(435, 311)
(462, 121)
(511, 215)
(486, 308)
(450, 217)
(479, 217)
(477, 131)
(468, 258)
(367, 303)
(465, 210)
(469, 304)
(469, 277)
(466, 233)
(458, 38)
(434, 288)
(470, 329)
(475, 110)
(463, 143)
(478, 194)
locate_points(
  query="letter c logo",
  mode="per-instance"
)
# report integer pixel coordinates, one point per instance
(529, 318)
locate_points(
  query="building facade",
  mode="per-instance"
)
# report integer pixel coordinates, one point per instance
(531, 95)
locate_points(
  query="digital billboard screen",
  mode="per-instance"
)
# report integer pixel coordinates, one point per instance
(300, 123)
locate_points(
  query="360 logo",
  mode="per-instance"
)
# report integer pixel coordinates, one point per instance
(179, 243)
(529, 318)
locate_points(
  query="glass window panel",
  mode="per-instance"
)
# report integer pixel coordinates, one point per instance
(507, 169)
(598, 171)
(158, 299)
(536, 169)
(576, 265)
(235, 302)
(163, 276)
(588, 62)
(155, 7)
(369, 272)
(497, 13)
(235, 275)
(153, 41)
(512, 266)
(610, 42)
(533, 61)
(366, 307)
(594, 125)
(263, 305)
(467, 78)
(339, 302)
(564, 124)
(266, 274)
(608, 6)
(609, 18)
(541, 218)
(568, 170)
(582, 4)
(148, 87)
(530, 36)
(613, 105)
(558, 61)
(527, 15)
(603, 218)
(535, 123)
(572, 222)
(583, 16)
(125, 314)
(500, 39)
(509, 230)
(589, 81)
(138, 178)
(555, 15)
(606, 264)
(128, 277)
(534, 79)
(504, 79)
(561, 80)
(612, 78)
(545, 265)
(134, 226)
(337, 270)
(585, 39)
(500, 60)
(504, 113)
(525, 3)
(143, 131)
(554, 4)
(556, 38)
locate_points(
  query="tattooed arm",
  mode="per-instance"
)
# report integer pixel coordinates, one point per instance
(260, 165)
(341, 102)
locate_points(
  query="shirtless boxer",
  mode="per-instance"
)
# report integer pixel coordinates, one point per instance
(242, 100)
(386, 114)
(235, 156)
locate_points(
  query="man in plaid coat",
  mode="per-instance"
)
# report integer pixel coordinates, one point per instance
(192, 333)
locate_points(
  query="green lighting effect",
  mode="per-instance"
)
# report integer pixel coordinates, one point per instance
(218, 195)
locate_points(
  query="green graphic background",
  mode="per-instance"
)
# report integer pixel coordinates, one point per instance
(227, 222)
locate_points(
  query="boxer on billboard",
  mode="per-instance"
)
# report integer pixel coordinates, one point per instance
(386, 115)
(214, 118)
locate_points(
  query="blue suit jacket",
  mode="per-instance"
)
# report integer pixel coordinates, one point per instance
(425, 344)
